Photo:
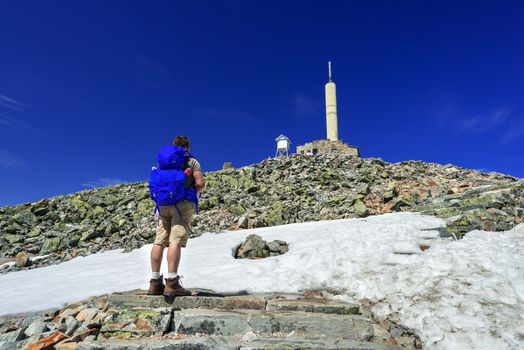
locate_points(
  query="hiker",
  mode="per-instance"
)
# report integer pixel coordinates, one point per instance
(174, 220)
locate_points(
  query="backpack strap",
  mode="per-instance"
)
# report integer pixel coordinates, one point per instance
(187, 158)
(157, 210)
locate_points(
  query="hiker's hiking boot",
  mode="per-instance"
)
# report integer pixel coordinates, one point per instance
(156, 286)
(174, 288)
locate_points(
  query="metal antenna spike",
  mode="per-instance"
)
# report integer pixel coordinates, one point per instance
(329, 66)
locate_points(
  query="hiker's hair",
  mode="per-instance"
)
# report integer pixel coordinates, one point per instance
(181, 141)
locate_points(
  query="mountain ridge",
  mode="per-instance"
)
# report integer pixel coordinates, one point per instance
(273, 192)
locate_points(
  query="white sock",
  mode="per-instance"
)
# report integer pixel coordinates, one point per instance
(172, 275)
(155, 275)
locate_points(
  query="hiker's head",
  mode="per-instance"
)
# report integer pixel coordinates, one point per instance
(181, 141)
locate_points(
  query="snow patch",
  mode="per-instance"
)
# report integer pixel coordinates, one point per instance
(465, 294)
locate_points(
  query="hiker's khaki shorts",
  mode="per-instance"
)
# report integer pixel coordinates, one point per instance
(174, 226)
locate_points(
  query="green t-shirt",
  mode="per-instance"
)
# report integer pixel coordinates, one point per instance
(194, 164)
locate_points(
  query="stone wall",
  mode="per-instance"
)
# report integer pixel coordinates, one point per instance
(327, 147)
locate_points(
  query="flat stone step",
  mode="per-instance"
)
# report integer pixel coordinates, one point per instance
(268, 302)
(315, 343)
(192, 343)
(314, 305)
(232, 343)
(211, 322)
(238, 322)
(251, 302)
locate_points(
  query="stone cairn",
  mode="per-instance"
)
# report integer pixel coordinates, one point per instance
(254, 247)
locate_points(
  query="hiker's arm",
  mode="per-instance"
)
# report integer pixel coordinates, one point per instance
(199, 181)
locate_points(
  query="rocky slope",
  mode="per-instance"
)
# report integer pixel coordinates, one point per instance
(274, 192)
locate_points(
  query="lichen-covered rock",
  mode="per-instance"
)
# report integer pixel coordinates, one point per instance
(360, 208)
(136, 322)
(51, 245)
(390, 192)
(11, 238)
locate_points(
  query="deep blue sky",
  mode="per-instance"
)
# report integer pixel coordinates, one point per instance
(89, 90)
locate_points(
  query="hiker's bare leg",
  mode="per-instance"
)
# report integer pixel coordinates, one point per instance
(157, 253)
(173, 256)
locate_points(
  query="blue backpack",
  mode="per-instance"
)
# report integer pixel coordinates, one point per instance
(167, 181)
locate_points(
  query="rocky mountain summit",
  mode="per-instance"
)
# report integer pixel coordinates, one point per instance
(275, 191)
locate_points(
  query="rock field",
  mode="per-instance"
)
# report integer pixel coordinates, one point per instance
(273, 192)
